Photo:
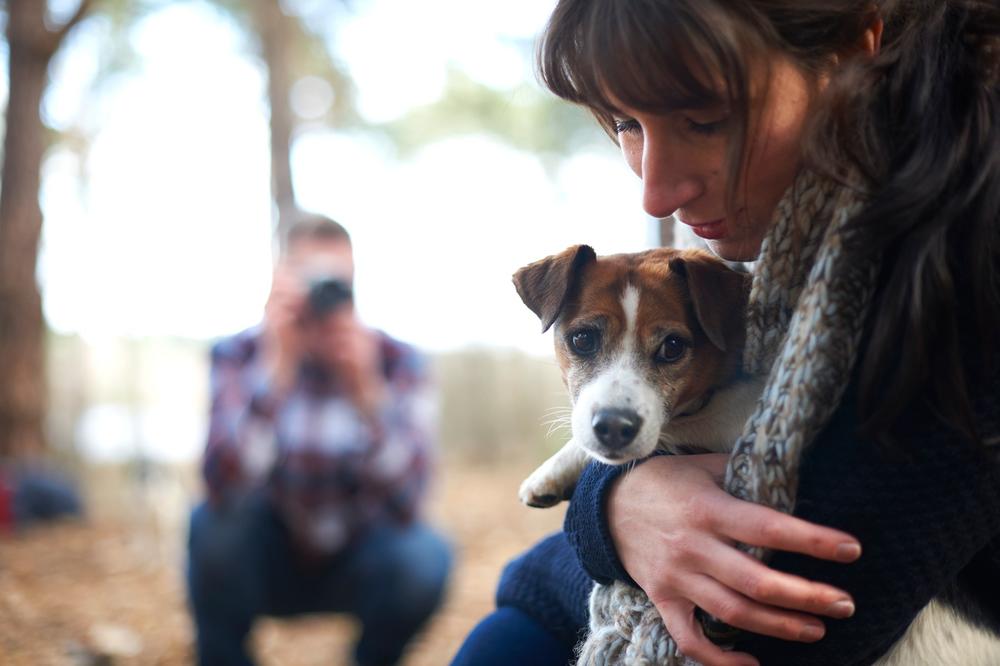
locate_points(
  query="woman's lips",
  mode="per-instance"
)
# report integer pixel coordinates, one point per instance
(709, 230)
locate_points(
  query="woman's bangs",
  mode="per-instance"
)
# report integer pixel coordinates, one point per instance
(653, 58)
(651, 61)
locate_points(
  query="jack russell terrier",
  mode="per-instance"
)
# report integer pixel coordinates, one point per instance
(650, 347)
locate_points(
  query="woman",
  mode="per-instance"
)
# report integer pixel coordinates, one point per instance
(734, 113)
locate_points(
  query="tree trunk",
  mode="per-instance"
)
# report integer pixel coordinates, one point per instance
(22, 331)
(276, 32)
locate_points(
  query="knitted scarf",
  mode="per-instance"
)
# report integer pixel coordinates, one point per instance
(807, 307)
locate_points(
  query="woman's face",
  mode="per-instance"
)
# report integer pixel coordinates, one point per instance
(681, 158)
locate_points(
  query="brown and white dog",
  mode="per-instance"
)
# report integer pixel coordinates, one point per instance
(650, 347)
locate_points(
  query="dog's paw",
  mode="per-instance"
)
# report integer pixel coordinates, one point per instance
(542, 491)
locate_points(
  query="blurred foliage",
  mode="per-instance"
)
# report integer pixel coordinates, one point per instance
(312, 55)
(114, 20)
(524, 117)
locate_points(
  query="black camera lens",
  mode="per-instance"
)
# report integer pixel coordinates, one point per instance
(328, 294)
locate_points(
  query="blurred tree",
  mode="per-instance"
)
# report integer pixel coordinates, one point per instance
(293, 39)
(32, 41)
(289, 50)
(276, 34)
(293, 51)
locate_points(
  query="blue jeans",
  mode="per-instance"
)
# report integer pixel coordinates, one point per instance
(242, 565)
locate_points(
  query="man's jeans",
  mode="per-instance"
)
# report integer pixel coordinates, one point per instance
(241, 565)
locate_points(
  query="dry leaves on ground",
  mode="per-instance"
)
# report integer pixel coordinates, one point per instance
(110, 590)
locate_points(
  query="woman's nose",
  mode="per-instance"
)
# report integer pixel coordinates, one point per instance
(669, 180)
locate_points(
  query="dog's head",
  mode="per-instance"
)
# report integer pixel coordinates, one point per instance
(642, 339)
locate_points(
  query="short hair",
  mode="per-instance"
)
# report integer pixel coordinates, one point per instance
(313, 226)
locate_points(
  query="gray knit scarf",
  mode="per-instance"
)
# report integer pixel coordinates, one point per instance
(807, 307)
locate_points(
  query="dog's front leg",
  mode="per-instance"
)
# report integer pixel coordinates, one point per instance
(555, 480)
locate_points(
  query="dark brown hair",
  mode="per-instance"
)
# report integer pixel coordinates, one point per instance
(918, 121)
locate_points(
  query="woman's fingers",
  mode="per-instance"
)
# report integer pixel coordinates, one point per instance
(739, 611)
(678, 617)
(760, 526)
(749, 577)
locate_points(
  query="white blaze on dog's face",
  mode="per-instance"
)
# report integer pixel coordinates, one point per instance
(618, 411)
(633, 345)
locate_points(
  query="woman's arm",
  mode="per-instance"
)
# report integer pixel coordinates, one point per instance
(673, 528)
(890, 498)
(923, 508)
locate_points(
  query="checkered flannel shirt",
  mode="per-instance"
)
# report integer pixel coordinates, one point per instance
(330, 472)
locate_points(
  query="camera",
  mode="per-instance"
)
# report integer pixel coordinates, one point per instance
(326, 294)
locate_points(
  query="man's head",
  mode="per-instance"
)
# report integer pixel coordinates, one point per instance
(318, 264)
(316, 246)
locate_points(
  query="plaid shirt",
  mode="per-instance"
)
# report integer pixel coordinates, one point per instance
(330, 472)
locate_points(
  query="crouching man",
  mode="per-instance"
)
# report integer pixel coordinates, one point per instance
(316, 464)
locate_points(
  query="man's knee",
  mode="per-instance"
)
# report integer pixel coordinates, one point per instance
(221, 550)
(414, 567)
(211, 539)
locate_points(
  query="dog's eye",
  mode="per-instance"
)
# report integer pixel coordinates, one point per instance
(672, 348)
(584, 342)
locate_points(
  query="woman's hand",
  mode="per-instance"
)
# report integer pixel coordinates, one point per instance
(674, 529)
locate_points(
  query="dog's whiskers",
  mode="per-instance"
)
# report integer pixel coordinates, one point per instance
(557, 418)
(557, 424)
(558, 410)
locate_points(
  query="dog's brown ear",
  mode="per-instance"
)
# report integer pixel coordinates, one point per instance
(545, 284)
(719, 295)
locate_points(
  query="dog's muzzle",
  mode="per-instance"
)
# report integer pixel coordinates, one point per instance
(615, 428)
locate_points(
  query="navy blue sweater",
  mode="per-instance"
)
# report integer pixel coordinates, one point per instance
(926, 510)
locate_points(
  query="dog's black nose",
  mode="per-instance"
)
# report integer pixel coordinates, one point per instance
(616, 428)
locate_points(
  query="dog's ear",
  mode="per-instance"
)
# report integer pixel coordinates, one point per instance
(545, 284)
(719, 295)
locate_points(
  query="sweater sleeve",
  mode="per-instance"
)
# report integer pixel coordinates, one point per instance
(586, 524)
(925, 509)
(549, 585)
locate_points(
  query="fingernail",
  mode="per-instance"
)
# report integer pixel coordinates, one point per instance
(811, 632)
(843, 608)
(848, 552)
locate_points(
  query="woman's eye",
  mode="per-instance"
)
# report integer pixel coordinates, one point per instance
(672, 348)
(624, 126)
(584, 342)
(706, 128)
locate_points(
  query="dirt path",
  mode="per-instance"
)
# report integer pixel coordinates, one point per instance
(110, 591)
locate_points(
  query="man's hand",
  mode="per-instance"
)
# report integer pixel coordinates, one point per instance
(352, 352)
(284, 341)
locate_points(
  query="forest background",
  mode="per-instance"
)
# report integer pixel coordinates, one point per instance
(154, 150)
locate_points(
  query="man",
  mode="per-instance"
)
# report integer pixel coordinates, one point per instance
(316, 463)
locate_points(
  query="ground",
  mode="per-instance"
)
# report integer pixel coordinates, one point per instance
(109, 590)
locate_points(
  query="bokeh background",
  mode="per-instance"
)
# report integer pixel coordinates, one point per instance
(178, 136)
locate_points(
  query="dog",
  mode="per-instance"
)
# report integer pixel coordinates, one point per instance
(650, 348)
